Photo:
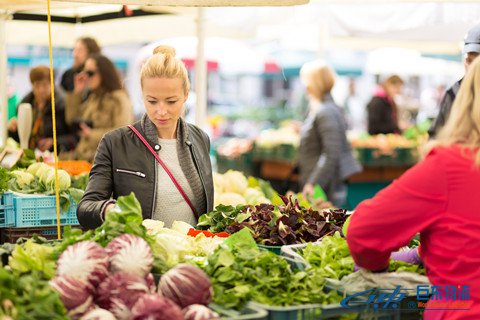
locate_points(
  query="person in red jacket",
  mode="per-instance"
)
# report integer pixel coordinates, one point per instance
(438, 198)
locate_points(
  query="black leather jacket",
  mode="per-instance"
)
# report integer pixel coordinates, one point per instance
(123, 165)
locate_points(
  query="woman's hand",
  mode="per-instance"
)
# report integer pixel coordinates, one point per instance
(80, 82)
(86, 131)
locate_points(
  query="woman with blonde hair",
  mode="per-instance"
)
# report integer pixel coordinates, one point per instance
(437, 198)
(162, 159)
(325, 154)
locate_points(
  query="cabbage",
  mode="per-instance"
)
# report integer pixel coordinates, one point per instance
(86, 261)
(172, 247)
(152, 225)
(33, 168)
(185, 285)
(155, 307)
(199, 312)
(98, 314)
(229, 199)
(181, 227)
(235, 182)
(22, 178)
(130, 253)
(75, 294)
(43, 172)
(64, 180)
(119, 292)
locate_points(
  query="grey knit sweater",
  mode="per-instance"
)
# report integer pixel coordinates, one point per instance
(187, 166)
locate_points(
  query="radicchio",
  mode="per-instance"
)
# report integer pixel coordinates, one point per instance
(74, 293)
(98, 314)
(86, 261)
(155, 307)
(199, 312)
(119, 292)
(150, 280)
(130, 253)
(185, 285)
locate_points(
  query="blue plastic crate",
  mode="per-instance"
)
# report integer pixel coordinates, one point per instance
(7, 215)
(40, 211)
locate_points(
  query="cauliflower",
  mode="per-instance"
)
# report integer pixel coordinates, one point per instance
(255, 196)
(218, 182)
(229, 199)
(22, 178)
(235, 182)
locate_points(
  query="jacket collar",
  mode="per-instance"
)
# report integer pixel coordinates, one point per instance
(151, 133)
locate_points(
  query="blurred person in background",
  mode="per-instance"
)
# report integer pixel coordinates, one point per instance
(354, 108)
(382, 111)
(325, 155)
(39, 98)
(83, 48)
(162, 159)
(471, 50)
(108, 106)
(430, 100)
(437, 198)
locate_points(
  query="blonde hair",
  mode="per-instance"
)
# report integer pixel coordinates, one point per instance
(318, 77)
(463, 124)
(163, 64)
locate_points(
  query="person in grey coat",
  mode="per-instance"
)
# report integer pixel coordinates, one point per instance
(325, 155)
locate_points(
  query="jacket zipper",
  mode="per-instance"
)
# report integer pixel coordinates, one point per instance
(192, 150)
(135, 173)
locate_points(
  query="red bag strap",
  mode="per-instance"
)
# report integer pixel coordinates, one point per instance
(149, 147)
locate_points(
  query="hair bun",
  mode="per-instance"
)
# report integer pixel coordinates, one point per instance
(166, 50)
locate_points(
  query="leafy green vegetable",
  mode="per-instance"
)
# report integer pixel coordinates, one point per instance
(219, 219)
(288, 223)
(31, 256)
(80, 181)
(331, 257)
(4, 179)
(400, 266)
(240, 272)
(28, 297)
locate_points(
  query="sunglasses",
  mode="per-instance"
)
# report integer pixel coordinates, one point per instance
(90, 73)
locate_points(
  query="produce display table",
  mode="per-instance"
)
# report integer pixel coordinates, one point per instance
(366, 184)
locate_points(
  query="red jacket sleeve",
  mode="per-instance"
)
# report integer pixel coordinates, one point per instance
(390, 220)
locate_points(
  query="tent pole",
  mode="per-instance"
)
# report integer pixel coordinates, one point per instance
(201, 72)
(3, 78)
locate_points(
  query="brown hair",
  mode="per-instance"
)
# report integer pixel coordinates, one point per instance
(394, 80)
(91, 45)
(110, 77)
(163, 64)
(39, 73)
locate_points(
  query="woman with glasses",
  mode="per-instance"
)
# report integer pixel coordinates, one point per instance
(108, 106)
